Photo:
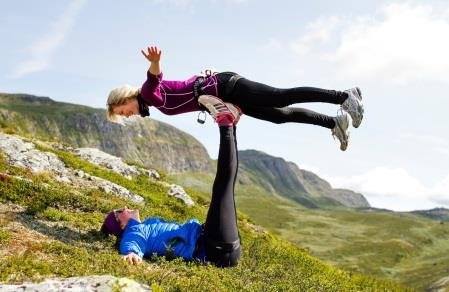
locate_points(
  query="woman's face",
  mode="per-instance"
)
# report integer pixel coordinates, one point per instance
(129, 108)
(123, 216)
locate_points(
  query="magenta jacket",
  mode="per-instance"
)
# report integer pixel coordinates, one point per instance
(175, 97)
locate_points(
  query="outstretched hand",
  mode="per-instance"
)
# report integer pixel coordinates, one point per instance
(153, 54)
(132, 258)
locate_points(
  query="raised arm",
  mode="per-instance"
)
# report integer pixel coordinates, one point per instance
(153, 54)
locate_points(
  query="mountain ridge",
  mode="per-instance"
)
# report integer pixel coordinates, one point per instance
(157, 144)
(299, 185)
(148, 142)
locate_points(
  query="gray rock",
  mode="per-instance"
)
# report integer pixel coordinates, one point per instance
(80, 173)
(105, 189)
(78, 284)
(109, 161)
(179, 193)
(64, 179)
(113, 163)
(109, 187)
(24, 154)
(152, 173)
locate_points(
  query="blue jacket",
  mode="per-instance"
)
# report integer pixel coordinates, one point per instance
(155, 235)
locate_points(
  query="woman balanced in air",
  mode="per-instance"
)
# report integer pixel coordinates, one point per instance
(252, 98)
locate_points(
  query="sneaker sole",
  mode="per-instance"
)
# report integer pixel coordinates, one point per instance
(360, 109)
(359, 92)
(214, 111)
(344, 144)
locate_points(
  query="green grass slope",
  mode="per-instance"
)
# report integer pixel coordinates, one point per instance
(403, 247)
(48, 229)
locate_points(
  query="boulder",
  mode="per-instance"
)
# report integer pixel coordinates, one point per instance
(92, 283)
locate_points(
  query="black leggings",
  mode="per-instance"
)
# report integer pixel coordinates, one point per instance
(221, 235)
(271, 104)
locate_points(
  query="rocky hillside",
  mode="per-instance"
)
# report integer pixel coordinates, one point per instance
(146, 141)
(53, 199)
(160, 145)
(276, 175)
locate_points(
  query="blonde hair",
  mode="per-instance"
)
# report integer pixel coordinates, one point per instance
(119, 96)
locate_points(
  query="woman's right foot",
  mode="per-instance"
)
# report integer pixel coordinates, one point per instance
(341, 130)
(353, 106)
(220, 110)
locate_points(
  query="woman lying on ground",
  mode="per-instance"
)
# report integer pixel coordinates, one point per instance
(217, 240)
(254, 99)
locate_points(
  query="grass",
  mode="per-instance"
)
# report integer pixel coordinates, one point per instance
(402, 247)
(59, 237)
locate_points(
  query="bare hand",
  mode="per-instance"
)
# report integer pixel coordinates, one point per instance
(153, 54)
(132, 258)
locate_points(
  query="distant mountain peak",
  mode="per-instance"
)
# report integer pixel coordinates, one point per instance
(301, 186)
(27, 97)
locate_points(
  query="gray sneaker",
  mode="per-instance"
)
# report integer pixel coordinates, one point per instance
(353, 106)
(341, 130)
(219, 109)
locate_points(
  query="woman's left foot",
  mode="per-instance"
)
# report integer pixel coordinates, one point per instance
(353, 106)
(341, 130)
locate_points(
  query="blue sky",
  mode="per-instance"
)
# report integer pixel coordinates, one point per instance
(396, 51)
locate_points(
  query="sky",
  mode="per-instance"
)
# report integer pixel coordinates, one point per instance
(395, 51)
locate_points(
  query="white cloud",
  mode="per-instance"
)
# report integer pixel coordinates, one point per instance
(41, 52)
(318, 32)
(433, 143)
(401, 43)
(395, 188)
(440, 192)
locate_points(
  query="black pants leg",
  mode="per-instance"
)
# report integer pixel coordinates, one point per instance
(269, 103)
(247, 92)
(221, 235)
(289, 115)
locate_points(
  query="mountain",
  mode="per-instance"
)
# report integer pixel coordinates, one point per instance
(157, 144)
(275, 174)
(146, 141)
(441, 214)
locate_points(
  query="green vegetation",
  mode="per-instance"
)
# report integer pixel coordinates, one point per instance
(5, 236)
(68, 243)
(398, 246)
